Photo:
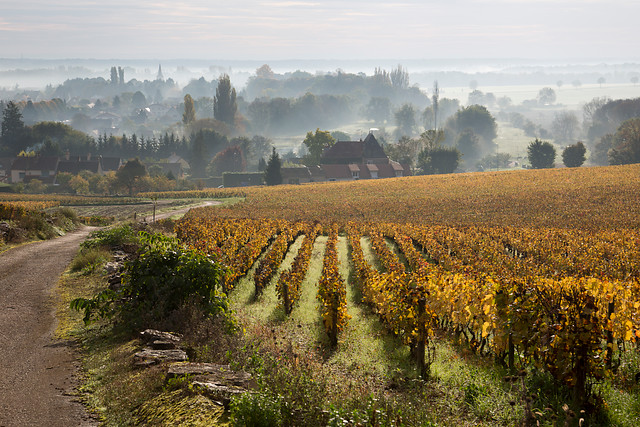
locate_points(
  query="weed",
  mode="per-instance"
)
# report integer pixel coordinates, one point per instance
(89, 260)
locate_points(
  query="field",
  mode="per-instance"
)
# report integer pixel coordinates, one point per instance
(535, 270)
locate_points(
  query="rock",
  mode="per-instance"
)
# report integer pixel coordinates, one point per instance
(148, 356)
(112, 267)
(150, 335)
(217, 392)
(218, 382)
(163, 345)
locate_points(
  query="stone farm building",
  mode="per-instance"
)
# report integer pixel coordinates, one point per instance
(363, 159)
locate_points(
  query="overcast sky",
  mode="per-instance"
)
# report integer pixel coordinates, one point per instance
(335, 29)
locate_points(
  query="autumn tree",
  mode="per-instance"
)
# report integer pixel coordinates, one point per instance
(316, 143)
(129, 174)
(224, 103)
(626, 143)
(230, 159)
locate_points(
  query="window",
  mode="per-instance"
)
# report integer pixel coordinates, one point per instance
(355, 174)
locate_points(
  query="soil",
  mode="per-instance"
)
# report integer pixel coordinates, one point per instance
(39, 373)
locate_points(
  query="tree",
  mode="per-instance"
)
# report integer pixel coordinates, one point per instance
(468, 144)
(13, 131)
(541, 154)
(272, 173)
(399, 77)
(404, 151)
(405, 120)
(129, 174)
(230, 159)
(626, 143)
(574, 155)
(79, 185)
(189, 115)
(601, 81)
(438, 160)
(138, 100)
(224, 103)
(435, 99)
(478, 119)
(634, 80)
(564, 126)
(378, 109)
(316, 143)
(338, 135)
(546, 96)
(114, 76)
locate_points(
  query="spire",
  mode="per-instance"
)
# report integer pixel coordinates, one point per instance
(159, 76)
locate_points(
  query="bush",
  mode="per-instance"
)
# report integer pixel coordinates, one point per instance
(111, 237)
(161, 280)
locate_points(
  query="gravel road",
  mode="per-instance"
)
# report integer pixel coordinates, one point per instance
(37, 372)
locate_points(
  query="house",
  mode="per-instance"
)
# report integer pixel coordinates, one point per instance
(37, 167)
(76, 164)
(110, 164)
(364, 159)
(295, 175)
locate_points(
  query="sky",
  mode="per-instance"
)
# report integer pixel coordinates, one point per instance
(315, 29)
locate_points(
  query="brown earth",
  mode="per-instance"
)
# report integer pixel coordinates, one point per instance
(38, 373)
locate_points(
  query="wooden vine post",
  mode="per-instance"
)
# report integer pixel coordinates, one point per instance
(422, 339)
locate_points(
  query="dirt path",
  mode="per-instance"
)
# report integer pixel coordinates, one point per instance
(37, 372)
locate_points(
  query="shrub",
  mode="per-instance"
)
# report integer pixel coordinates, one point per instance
(161, 280)
(111, 237)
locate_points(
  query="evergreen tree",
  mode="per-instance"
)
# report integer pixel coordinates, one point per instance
(574, 155)
(13, 134)
(542, 154)
(224, 103)
(273, 173)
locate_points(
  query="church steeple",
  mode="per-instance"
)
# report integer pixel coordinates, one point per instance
(159, 76)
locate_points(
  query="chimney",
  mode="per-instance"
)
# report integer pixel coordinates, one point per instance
(67, 155)
(88, 157)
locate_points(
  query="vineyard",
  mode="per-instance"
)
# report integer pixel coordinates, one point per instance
(561, 299)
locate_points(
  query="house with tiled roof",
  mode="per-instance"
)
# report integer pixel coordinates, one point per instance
(363, 159)
(36, 167)
(75, 164)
